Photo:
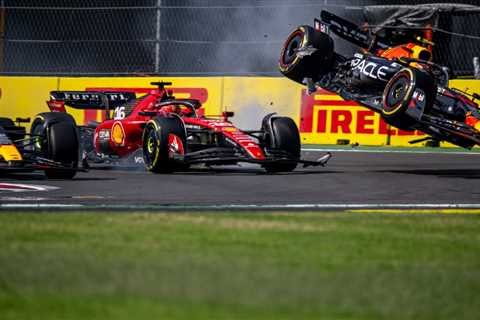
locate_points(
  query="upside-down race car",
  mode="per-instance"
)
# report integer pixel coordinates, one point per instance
(173, 135)
(397, 81)
(52, 146)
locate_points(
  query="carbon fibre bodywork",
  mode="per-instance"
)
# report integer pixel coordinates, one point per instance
(396, 80)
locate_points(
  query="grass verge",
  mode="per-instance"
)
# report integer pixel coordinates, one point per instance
(239, 266)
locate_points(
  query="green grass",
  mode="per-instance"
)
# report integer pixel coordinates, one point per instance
(239, 266)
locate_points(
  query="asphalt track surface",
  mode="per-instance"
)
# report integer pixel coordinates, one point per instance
(350, 178)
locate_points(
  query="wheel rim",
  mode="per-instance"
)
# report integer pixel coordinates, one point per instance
(291, 45)
(151, 147)
(150, 144)
(397, 93)
(38, 144)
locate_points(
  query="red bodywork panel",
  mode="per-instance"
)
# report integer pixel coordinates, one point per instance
(231, 132)
(129, 129)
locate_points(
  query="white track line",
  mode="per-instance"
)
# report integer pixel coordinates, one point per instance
(243, 206)
(19, 187)
(40, 206)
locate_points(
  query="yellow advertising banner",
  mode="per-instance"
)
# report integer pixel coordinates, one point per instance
(25, 96)
(323, 117)
(326, 117)
(253, 98)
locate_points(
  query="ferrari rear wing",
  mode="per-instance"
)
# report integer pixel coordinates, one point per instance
(88, 99)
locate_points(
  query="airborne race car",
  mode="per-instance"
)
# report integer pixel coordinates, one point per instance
(173, 135)
(397, 81)
(52, 146)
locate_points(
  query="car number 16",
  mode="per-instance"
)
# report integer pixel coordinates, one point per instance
(119, 113)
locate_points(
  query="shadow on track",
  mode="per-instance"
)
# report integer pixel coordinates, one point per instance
(23, 176)
(42, 177)
(246, 171)
(213, 170)
(442, 173)
(88, 179)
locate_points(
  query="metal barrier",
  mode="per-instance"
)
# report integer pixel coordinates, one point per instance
(187, 37)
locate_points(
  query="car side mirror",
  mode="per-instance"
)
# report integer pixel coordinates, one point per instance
(22, 120)
(227, 114)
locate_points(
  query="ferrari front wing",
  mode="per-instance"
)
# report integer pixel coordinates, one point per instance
(220, 156)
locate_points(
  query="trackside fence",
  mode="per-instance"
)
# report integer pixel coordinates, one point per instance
(188, 37)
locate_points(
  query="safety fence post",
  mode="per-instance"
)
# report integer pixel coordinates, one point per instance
(157, 35)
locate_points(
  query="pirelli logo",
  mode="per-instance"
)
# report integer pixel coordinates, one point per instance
(325, 112)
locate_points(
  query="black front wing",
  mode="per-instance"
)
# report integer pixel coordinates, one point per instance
(33, 163)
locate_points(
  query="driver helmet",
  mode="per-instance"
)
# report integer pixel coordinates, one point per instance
(178, 109)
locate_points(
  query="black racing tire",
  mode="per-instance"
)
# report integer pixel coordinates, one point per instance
(311, 66)
(399, 92)
(156, 144)
(63, 147)
(284, 137)
(55, 137)
(38, 132)
(47, 118)
(40, 125)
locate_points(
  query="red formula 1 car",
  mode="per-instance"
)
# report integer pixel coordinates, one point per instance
(173, 135)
